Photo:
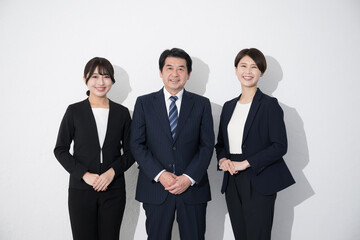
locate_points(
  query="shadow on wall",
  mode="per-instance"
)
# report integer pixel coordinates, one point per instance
(296, 158)
(216, 210)
(121, 88)
(119, 92)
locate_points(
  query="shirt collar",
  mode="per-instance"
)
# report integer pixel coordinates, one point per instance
(167, 95)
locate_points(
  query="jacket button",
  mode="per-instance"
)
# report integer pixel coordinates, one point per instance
(244, 146)
(174, 148)
(170, 165)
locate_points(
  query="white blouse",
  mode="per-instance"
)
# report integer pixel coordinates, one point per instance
(101, 118)
(236, 127)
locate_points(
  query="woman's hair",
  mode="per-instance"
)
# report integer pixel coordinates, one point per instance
(104, 68)
(255, 55)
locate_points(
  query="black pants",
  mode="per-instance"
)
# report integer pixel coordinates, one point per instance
(251, 213)
(190, 217)
(96, 215)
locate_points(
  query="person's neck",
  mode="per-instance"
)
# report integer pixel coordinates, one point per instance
(98, 102)
(247, 94)
(173, 92)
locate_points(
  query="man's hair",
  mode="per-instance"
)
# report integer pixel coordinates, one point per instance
(177, 53)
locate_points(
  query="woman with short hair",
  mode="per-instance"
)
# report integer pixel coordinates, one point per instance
(250, 148)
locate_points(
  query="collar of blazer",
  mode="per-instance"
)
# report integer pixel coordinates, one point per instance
(160, 107)
(256, 102)
(91, 117)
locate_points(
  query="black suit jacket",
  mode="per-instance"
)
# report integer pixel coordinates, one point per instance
(264, 143)
(78, 125)
(155, 150)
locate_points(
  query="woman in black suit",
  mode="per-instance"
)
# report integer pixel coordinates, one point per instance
(100, 130)
(251, 145)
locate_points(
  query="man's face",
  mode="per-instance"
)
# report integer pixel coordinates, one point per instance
(174, 74)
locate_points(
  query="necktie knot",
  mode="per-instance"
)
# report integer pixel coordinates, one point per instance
(173, 98)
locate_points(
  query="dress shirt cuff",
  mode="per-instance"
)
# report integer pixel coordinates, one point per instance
(156, 179)
(192, 180)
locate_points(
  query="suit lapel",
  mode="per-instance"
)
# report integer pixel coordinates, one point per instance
(90, 116)
(227, 117)
(186, 107)
(252, 113)
(161, 112)
(110, 123)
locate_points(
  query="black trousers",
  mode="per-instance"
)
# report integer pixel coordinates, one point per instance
(251, 213)
(96, 215)
(190, 217)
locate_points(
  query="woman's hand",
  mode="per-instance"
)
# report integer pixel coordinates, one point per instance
(227, 165)
(240, 166)
(103, 181)
(90, 178)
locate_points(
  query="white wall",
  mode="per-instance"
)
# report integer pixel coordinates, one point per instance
(313, 52)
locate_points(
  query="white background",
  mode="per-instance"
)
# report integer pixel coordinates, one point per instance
(312, 48)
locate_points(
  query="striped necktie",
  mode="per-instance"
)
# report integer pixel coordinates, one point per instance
(173, 116)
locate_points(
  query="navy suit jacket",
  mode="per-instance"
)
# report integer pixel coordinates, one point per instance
(155, 150)
(79, 125)
(264, 143)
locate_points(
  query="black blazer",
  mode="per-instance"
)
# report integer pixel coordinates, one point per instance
(264, 143)
(78, 125)
(155, 150)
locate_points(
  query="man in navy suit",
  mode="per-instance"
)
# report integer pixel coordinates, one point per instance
(172, 140)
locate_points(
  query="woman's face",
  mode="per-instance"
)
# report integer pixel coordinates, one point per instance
(99, 85)
(247, 72)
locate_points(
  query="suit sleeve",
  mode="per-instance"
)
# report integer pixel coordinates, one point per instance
(126, 160)
(64, 139)
(200, 163)
(220, 145)
(142, 154)
(277, 137)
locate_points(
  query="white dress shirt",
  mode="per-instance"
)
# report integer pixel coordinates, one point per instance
(236, 127)
(101, 116)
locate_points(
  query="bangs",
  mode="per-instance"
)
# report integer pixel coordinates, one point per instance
(103, 70)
